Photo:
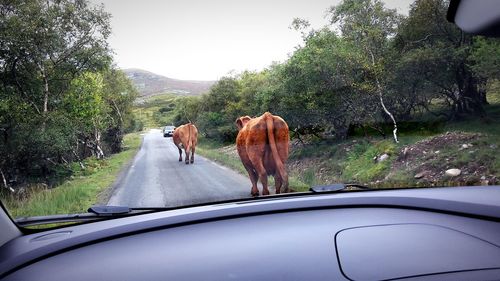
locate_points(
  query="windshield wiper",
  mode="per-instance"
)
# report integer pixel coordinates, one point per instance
(336, 187)
(95, 213)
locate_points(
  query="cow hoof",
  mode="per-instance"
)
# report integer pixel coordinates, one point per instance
(254, 194)
(187, 162)
(192, 161)
(180, 160)
(266, 192)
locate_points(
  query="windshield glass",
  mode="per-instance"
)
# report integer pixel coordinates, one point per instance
(266, 97)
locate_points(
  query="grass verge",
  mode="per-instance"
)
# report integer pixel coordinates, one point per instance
(78, 193)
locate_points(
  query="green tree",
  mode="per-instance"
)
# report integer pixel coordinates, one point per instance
(45, 46)
(370, 26)
(119, 94)
(441, 58)
(85, 105)
(324, 86)
(485, 57)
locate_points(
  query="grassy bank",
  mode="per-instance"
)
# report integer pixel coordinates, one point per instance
(78, 193)
(421, 158)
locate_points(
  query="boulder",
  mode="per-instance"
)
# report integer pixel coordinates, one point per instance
(382, 157)
(453, 172)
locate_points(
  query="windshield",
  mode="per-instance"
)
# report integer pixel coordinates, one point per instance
(267, 97)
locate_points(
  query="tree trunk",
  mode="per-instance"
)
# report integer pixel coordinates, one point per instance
(45, 90)
(379, 90)
(471, 94)
(45, 96)
(98, 151)
(4, 180)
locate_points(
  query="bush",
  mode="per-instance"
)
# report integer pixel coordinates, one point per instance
(136, 125)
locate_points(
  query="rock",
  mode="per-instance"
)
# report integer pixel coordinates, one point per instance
(493, 146)
(453, 172)
(483, 178)
(405, 151)
(437, 152)
(382, 157)
(421, 174)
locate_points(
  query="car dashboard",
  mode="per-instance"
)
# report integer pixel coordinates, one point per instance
(414, 234)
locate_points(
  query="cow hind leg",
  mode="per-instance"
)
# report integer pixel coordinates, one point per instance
(284, 182)
(187, 156)
(277, 183)
(180, 154)
(261, 171)
(192, 154)
(253, 178)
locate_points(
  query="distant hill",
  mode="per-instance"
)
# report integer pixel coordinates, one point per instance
(148, 84)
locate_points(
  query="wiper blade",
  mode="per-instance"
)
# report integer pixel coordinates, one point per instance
(336, 187)
(109, 210)
(95, 213)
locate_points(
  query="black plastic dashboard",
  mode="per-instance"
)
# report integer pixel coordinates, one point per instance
(417, 234)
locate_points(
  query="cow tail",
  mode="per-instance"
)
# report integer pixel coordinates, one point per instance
(189, 142)
(280, 167)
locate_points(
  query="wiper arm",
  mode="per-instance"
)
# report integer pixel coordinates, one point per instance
(336, 187)
(94, 213)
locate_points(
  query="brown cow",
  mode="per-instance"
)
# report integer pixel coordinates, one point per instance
(186, 137)
(262, 144)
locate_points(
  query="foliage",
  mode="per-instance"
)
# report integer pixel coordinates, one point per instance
(438, 58)
(61, 100)
(370, 67)
(76, 194)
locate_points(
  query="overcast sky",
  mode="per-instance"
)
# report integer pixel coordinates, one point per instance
(206, 39)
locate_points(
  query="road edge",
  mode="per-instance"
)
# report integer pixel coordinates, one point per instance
(106, 194)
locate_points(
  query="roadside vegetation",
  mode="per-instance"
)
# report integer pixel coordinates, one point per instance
(346, 89)
(64, 106)
(84, 188)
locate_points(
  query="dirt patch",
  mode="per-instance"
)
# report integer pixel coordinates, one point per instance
(423, 163)
(428, 160)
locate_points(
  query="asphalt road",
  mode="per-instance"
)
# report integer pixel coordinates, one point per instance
(156, 178)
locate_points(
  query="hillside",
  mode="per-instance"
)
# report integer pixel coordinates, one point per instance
(149, 84)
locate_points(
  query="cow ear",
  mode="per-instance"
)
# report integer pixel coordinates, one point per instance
(242, 121)
(239, 123)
